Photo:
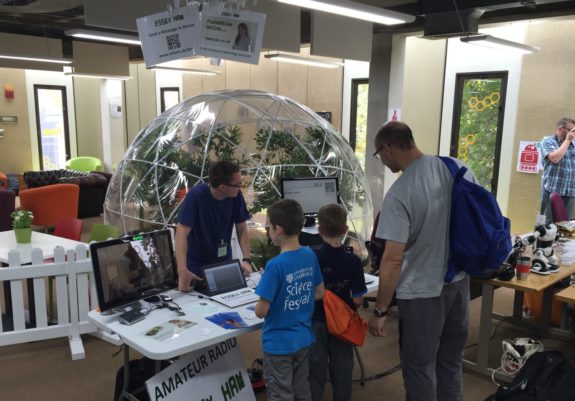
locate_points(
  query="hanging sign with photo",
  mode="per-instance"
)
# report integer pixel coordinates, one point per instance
(232, 35)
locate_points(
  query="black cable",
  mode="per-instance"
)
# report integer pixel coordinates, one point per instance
(380, 375)
(492, 334)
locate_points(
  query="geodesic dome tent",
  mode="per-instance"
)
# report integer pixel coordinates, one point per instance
(269, 136)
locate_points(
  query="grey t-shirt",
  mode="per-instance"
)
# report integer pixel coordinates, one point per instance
(415, 212)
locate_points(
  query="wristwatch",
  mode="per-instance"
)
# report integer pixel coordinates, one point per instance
(379, 313)
(249, 260)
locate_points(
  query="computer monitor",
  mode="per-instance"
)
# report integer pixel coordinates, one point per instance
(311, 192)
(132, 268)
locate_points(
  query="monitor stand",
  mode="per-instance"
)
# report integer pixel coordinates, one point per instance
(129, 307)
(309, 221)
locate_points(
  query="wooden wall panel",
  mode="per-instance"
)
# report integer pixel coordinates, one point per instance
(264, 76)
(88, 117)
(16, 156)
(237, 75)
(292, 81)
(545, 95)
(192, 84)
(324, 85)
(214, 83)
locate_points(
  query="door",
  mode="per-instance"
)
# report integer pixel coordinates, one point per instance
(52, 126)
(478, 124)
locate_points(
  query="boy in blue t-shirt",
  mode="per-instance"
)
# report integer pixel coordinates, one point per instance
(343, 274)
(288, 288)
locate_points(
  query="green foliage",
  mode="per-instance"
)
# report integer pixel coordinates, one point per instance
(262, 251)
(22, 218)
(478, 127)
(361, 122)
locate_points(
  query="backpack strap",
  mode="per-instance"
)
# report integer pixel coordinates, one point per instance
(456, 171)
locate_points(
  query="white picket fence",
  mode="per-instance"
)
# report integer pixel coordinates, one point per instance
(71, 276)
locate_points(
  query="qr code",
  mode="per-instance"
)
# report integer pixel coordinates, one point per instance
(173, 41)
(329, 187)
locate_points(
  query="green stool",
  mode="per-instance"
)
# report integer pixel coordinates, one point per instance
(102, 232)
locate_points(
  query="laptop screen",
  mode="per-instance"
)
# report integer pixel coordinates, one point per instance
(133, 267)
(223, 277)
(311, 192)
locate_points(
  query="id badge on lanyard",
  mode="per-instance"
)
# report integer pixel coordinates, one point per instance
(222, 249)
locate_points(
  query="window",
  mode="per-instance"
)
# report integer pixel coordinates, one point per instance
(52, 126)
(478, 124)
(358, 118)
(169, 98)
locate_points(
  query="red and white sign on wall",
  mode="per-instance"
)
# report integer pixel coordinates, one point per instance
(529, 158)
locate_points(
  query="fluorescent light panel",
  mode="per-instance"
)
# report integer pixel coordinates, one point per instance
(187, 70)
(304, 60)
(104, 36)
(499, 44)
(354, 10)
(69, 71)
(53, 60)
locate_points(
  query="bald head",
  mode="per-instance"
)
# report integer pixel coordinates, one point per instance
(395, 133)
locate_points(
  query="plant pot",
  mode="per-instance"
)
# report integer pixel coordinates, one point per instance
(23, 235)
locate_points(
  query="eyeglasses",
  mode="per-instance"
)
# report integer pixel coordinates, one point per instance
(376, 154)
(233, 185)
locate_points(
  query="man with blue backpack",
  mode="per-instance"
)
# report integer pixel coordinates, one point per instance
(433, 313)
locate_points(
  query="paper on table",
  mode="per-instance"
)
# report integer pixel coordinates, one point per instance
(566, 252)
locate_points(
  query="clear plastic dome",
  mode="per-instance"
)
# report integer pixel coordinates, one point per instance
(269, 136)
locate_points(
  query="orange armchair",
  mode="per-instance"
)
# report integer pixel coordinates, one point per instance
(51, 202)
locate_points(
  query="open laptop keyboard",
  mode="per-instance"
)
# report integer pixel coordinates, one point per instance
(236, 298)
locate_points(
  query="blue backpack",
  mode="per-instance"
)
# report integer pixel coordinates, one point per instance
(479, 236)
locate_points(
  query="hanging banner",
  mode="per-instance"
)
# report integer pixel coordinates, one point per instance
(170, 35)
(214, 373)
(528, 158)
(232, 35)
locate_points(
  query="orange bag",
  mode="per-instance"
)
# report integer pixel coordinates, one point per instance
(342, 321)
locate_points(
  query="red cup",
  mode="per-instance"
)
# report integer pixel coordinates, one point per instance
(522, 267)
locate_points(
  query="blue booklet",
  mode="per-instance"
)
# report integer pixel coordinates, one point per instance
(228, 320)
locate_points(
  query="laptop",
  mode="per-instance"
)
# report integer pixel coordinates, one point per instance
(224, 282)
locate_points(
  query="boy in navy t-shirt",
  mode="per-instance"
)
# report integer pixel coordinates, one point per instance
(343, 274)
(289, 286)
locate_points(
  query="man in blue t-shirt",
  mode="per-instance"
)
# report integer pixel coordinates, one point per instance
(207, 218)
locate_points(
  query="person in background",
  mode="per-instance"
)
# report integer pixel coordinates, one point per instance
(243, 40)
(558, 155)
(208, 215)
(290, 284)
(433, 315)
(342, 274)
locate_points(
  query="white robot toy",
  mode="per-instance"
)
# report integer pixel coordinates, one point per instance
(543, 259)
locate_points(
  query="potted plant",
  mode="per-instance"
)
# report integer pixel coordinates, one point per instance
(22, 224)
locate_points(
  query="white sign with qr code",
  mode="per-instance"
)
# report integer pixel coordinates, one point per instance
(169, 35)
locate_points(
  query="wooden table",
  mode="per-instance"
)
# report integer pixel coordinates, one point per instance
(566, 295)
(534, 283)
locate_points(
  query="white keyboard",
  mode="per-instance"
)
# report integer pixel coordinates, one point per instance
(236, 298)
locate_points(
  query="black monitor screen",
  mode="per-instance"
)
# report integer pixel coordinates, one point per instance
(133, 267)
(311, 192)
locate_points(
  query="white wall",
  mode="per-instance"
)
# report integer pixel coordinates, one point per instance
(37, 77)
(114, 138)
(466, 58)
